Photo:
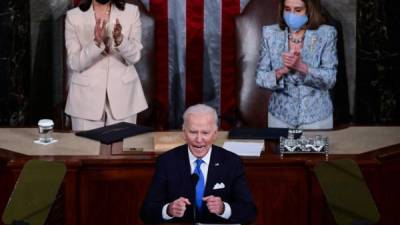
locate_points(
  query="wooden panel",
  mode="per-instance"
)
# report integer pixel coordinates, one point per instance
(112, 196)
(110, 188)
(8, 178)
(390, 198)
(280, 193)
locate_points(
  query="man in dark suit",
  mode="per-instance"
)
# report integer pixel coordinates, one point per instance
(199, 182)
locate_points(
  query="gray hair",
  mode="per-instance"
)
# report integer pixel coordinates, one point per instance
(200, 109)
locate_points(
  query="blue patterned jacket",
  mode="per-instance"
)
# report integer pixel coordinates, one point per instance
(297, 99)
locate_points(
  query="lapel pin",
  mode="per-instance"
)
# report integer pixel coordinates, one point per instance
(216, 164)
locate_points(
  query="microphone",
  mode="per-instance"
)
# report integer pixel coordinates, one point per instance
(195, 178)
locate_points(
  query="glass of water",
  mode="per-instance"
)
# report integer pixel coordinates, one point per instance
(45, 127)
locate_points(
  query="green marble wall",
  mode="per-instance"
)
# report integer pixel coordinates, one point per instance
(378, 62)
(14, 63)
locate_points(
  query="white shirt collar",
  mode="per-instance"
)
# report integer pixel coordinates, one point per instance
(206, 158)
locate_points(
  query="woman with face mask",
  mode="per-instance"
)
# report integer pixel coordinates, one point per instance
(103, 42)
(298, 62)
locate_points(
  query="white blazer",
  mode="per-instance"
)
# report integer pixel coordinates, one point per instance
(93, 75)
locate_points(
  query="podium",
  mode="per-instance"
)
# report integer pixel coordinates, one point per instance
(34, 193)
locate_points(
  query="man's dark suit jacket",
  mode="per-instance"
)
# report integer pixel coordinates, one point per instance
(172, 179)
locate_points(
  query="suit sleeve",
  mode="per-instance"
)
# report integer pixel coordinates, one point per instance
(265, 74)
(131, 45)
(242, 204)
(324, 76)
(79, 57)
(151, 211)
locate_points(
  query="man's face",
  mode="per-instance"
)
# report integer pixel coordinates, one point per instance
(200, 131)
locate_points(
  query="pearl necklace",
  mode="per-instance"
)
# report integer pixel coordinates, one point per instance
(296, 40)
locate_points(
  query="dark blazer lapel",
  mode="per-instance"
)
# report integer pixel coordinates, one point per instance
(214, 171)
(183, 168)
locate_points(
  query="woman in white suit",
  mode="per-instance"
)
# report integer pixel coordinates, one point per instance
(103, 42)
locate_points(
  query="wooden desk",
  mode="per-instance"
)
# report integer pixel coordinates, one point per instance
(109, 188)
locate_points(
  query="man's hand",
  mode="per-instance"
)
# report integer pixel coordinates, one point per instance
(214, 204)
(177, 208)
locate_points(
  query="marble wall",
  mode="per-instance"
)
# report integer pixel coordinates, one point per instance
(14, 62)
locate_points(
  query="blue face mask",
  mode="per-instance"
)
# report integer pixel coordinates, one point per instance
(293, 21)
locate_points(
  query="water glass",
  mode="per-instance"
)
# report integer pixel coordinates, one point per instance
(45, 128)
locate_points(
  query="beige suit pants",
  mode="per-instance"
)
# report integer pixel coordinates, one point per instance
(79, 124)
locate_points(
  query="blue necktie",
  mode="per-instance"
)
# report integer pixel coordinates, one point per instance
(200, 184)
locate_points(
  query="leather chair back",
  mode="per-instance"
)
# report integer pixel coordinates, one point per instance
(253, 101)
(340, 92)
(145, 66)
